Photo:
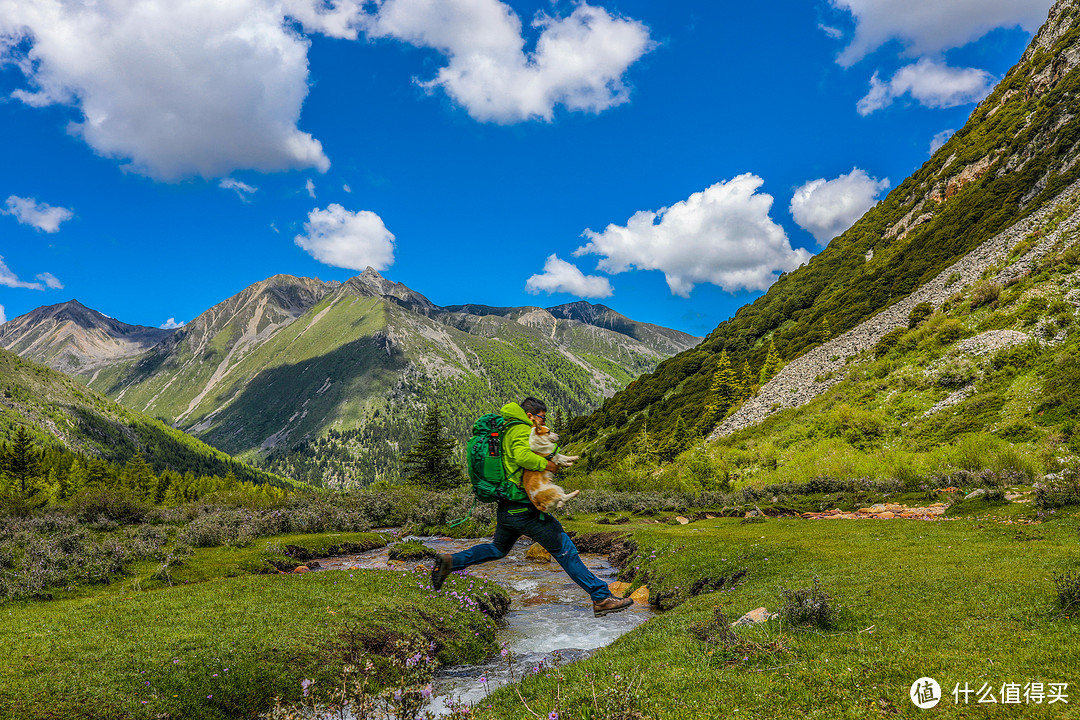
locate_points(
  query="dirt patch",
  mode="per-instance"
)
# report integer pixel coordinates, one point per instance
(616, 545)
(299, 552)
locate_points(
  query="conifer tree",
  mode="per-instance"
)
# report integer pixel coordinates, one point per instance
(429, 462)
(76, 478)
(771, 364)
(645, 448)
(678, 440)
(746, 382)
(138, 476)
(722, 393)
(21, 462)
(557, 422)
(826, 329)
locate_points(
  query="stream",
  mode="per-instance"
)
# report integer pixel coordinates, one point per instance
(548, 613)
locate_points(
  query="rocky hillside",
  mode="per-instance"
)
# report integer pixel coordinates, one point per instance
(328, 380)
(73, 338)
(1018, 153)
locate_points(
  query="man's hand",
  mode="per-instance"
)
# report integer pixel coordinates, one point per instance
(552, 467)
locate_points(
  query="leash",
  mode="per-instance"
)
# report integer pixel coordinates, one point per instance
(467, 515)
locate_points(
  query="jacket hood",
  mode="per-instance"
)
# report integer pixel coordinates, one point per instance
(513, 411)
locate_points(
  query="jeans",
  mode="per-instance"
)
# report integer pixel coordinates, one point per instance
(511, 522)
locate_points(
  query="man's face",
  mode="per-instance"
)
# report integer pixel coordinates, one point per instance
(538, 416)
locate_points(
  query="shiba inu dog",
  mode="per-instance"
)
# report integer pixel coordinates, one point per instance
(542, 491)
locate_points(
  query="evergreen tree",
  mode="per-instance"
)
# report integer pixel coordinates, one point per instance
(678, 440)
(428, 463)
(21, 462)
(558, 422)
(771, 364)
(722, 393)
(645, 448)
(746, 382)
(138, 476)
(826, 329)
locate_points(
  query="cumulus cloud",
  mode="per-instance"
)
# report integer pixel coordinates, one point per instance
(175, 88)
(578, 62)
(42, 216)
(3, 317)
(940, 139)
(826, 208)
(50, 281)
(931, 83)
(310, 187)
(172, 324)
(722, 235)
(928, 27)
(561, 276)
(147, 75)
(342, 238)
(11, 280)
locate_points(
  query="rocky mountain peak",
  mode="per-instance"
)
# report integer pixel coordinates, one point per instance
(370, 282)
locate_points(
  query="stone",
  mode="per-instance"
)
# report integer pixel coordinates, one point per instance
(878, 508)
(641, 595)
(866, 511)
(975, 494)
(538, 553)
(617, 587)
(758, 615)
(301, 570)
(887, 515)
(681, 520)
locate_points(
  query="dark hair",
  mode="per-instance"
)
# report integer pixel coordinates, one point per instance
(533, 406)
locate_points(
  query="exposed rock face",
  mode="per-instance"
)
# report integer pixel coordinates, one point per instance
(806, 377)
(71, 337)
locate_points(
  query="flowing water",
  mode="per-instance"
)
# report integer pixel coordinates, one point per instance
(548, 614)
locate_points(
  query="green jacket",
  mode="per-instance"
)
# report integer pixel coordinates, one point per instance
(516, 452)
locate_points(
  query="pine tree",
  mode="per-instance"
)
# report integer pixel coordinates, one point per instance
(826, 329)
(678, 440)
(771, 364)
(746, 382)
(76, 478)
(557, 422)
(722, 394)
(429, 462)
(21, 462)
(138, 476)
(644, 446)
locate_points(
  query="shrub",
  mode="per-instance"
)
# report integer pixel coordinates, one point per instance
(1059, 489)
(888, 341)
(919, 313)
(1067, 587)
(115, 505)
(809, 607)
(984, 292)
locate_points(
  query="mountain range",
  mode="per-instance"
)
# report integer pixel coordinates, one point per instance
(327, 381)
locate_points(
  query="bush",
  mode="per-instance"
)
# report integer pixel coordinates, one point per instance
(809, 607)
(1067, 587)
(984, 292)
(1059, 489)
(888, 341)
(115, 505)
(919, 313)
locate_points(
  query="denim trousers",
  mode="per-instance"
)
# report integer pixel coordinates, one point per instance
(511, 522)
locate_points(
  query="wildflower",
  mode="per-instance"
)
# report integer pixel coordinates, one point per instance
(425, 692)
(483, 679)
(306, 685)
(553, 715)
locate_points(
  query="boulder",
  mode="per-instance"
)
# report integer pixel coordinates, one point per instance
(641, 595)
(758, 615)
(681, 520)
(301, 569)
(538, 553)
(618, 587)
(887, 515)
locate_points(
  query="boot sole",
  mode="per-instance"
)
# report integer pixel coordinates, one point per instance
(602, 613)
(437, 576)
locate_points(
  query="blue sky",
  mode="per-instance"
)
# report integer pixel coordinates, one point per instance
(668, 160)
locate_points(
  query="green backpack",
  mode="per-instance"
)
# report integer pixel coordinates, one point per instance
(485, 459)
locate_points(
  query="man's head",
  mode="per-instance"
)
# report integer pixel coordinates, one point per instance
(534, 408)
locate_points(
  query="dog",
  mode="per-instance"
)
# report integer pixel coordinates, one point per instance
(542, 491)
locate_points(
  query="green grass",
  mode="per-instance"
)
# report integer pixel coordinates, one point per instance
(967, 600)
(222, 648)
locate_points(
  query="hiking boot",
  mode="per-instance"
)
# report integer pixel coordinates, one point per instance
(610, 605)
(444, 564)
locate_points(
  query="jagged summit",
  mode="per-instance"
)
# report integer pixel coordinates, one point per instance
(371, 282)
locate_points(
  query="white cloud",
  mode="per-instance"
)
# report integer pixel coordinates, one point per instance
(928, 27)
(11, 280)
(50, 281)
(940, 139)
(240, 187)
(3, 317)
(561, 276)
(310, 187)
(933, 84)
(578, 62)
(342, 238)
(172, 324)
(834, 33)
(722, 235)
(176, 88)
(346, 188)
(826, 208)
(42, 216)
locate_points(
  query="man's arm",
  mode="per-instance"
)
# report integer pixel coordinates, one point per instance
(517, 447)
